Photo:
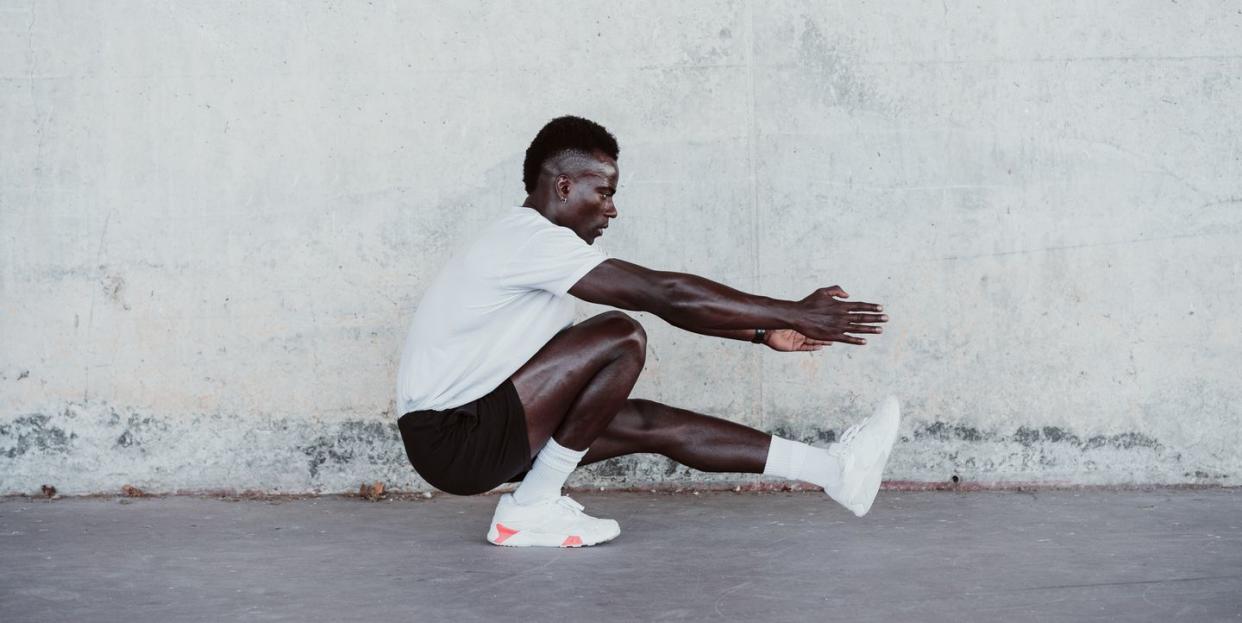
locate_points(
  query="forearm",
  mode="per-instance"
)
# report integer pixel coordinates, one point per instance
(745, 335)
(704, 306)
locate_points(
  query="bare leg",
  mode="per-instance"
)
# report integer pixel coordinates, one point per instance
(576, 383)
(698, 441)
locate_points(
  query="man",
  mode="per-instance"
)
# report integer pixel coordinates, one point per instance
(498, 385)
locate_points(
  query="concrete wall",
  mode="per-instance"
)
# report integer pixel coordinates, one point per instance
(216, 219)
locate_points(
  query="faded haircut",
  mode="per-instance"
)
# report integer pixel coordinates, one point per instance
(565, 134)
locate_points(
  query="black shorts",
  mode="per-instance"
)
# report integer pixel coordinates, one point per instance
(472, 448)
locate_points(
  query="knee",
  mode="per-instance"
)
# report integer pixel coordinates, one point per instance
(628, 335)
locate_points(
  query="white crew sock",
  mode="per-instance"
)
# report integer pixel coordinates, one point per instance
(798, 461)
(552, 467)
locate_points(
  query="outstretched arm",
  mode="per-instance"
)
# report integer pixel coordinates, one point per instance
(783, 340)
(702, 305)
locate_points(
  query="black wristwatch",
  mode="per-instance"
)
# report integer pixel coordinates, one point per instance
(760, 334)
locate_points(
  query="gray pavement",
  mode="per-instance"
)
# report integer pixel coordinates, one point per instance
(1159, 555)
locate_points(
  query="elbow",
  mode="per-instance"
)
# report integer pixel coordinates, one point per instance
(667, 299)
(678, 301)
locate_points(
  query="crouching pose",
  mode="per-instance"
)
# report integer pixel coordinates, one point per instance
(497, 384)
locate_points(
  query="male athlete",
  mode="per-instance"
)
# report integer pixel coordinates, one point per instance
(497, 384)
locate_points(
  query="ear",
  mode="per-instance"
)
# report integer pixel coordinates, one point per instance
(563, 184)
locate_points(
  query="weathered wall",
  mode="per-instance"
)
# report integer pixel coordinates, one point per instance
(216, 220)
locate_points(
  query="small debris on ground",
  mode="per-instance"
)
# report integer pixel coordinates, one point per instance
(49, 491)
(372, 492)
(133, 492)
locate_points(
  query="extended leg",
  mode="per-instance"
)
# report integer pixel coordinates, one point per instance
(698, 441)
(850, 471)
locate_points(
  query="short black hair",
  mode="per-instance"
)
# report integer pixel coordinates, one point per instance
(568, 133)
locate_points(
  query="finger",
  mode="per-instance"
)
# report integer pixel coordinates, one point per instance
(849, 339)
(863, 328)
(818, 342)
(838, 292)
(864, 307)
(867, 318)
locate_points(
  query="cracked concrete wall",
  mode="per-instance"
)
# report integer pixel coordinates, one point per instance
(216, 220)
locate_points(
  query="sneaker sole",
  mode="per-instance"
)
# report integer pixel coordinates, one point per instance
(501, 535)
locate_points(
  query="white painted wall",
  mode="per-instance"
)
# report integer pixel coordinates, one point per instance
(216, 219)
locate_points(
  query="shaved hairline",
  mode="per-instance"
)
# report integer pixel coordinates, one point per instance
(572, 162)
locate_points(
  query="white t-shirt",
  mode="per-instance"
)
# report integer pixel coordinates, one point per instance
(491, 308)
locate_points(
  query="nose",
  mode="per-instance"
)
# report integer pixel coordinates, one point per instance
(610, 210)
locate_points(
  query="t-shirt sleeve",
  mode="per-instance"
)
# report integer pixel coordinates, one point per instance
(554, 259)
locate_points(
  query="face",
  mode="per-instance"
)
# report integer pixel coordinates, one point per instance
(589, 202)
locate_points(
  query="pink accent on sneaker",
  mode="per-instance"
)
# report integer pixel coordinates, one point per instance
(571, 541)
(504, 533)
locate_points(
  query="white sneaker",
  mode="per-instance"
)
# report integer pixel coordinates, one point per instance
(863, 451)
(558, 522)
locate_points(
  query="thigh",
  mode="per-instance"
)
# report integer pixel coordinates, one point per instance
(548, 384)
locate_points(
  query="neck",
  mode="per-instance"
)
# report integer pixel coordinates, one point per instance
(544, 208)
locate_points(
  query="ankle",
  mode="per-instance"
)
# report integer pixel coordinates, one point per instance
(799, 461)
(548, 475)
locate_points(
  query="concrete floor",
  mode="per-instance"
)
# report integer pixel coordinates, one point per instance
(936, 556)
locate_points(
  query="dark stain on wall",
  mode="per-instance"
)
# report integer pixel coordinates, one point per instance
(1198, 473)
(138, 430)
(1026, 436)
(1124, 441)
(944, 432)
(33, 432)
(613, 468)
(331, 448)
(351, 439)
(1030, 436)
(809, 434)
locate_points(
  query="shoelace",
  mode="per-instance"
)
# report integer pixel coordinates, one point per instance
(838, 449)
(852, 431)
(569, 503)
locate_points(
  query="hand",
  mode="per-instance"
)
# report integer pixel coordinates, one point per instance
(788, 341)
(824, 318)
